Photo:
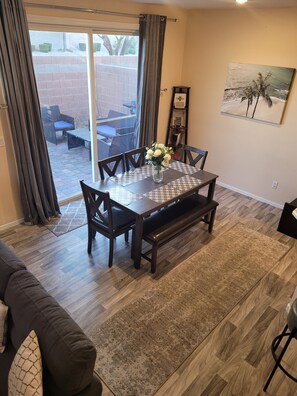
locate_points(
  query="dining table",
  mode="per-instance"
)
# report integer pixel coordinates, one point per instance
(136, 192)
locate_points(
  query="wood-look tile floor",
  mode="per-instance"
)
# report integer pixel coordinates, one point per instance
(235, 359)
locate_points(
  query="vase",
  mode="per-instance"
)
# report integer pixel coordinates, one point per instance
(157, 175)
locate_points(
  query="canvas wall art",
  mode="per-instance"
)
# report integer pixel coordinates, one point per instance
(257, 91)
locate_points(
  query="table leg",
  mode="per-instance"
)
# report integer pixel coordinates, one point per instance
(74, 141)
(211, 189)
(138, 241)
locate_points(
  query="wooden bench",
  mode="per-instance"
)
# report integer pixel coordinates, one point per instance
(168, 223)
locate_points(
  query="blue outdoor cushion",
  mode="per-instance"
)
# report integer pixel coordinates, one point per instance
(62, 125)
(106, 131)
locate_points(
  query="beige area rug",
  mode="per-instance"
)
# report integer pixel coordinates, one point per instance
(143, 344)
(73, 215)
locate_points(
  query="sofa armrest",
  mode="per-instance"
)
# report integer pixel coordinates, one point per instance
(9, 263)
(94, 389)
(68, 355)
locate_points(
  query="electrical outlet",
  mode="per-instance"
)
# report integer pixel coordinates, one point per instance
(274, 184)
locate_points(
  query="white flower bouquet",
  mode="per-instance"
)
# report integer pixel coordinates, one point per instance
(158, 155)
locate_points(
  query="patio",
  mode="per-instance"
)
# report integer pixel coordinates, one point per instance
(68, 167)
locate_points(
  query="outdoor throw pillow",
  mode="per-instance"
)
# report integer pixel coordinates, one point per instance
(25, 374)
(3, 325)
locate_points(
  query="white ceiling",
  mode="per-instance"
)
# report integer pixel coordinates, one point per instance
(210, 4)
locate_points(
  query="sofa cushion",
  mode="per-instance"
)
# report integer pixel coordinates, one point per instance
(68, 355)
(61, 125)
(9, 263)
(25, 374)
(106, 131)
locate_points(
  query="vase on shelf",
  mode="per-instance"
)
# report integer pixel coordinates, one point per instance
(157, 174)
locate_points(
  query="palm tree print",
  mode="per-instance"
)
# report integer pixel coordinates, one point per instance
(257, 89)
(257, 92)
(248, 94)
(260, 88)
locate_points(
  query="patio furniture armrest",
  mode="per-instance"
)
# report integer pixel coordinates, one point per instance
(121, 143)
(125, 130)
(50, 132)
(103, 148)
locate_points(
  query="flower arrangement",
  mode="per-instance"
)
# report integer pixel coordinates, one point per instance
(158, 155)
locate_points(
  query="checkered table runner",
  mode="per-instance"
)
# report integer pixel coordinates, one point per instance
(185, 183)
(162, 194)
(126, 178)
(123, 196)
(182, 167)
(172, 189)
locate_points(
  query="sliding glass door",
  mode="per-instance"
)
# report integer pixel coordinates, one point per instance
(68, 65)
(116, 88)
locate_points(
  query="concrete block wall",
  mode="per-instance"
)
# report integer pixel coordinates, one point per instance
(62, 80)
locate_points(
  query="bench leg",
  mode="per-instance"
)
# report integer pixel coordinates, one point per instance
(154, 258)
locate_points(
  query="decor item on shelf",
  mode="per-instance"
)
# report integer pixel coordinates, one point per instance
(158, 155)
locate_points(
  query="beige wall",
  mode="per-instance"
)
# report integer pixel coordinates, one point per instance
(246, 154)
(172, 69)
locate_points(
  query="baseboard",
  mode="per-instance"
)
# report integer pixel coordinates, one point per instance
(5, 227)
(68, 200)
(276, 205)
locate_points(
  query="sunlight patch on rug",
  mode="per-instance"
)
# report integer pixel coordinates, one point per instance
(143, 344)
(73, 215)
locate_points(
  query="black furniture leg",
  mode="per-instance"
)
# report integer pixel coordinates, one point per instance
(274, 347)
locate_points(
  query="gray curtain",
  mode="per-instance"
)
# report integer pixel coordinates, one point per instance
(151, 44)
(38, 194)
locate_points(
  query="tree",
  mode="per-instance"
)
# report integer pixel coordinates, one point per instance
(123, 45)
(260, 88)
(249, 94)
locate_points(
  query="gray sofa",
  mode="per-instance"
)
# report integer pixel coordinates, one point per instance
(68, 356)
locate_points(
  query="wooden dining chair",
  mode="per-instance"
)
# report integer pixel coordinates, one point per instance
(193, 156)
(135, 158)
(111, 165)
(105, 218)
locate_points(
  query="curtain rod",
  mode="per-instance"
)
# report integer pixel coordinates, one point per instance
(89, 10)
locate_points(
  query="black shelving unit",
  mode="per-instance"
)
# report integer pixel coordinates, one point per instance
(177, 131)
